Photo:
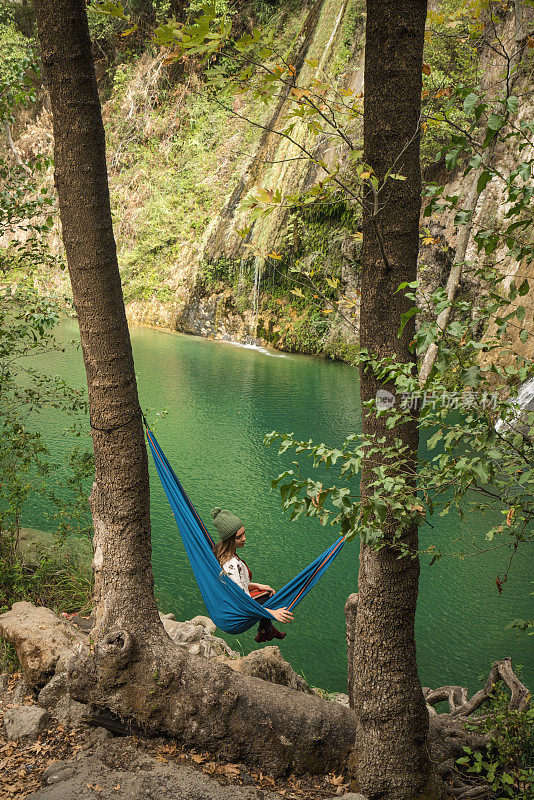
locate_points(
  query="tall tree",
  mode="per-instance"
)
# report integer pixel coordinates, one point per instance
(120, 495)
(132, 668)
(390, 758)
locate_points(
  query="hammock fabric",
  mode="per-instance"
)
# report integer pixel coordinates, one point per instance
(230, 608)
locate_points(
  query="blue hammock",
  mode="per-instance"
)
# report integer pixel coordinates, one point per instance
(230, 608)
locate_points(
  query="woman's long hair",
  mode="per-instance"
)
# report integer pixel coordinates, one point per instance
(225, 550)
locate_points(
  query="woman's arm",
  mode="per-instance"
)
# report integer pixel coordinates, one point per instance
(262, 587)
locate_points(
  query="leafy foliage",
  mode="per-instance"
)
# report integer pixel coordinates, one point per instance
(507, 766)
(27, 321)
(18, 70)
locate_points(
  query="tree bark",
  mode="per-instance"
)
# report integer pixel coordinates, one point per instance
(390, 759)
(120, 494)
(131, 667)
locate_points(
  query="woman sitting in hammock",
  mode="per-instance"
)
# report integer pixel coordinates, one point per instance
(232, 535)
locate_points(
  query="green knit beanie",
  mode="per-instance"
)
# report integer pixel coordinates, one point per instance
(226, 523)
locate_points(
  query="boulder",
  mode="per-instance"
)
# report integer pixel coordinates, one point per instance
(54, 691)
(269, 665)
(21, 692)
(194, 636)
(348, 796)
(25, 722)
(43, 641)
(209, 626)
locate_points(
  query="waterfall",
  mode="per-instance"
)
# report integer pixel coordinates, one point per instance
(522, 403)
(256, 290)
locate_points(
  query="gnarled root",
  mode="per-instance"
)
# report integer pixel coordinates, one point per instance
(130, 681)
(448, 735)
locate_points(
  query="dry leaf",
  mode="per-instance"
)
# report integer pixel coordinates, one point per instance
(426, 69)
(198, 758)
(336, 780)
(229, 770)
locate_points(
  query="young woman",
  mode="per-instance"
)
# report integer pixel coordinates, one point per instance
(232, 535)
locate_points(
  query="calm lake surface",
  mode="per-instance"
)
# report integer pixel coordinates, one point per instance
(221, 400)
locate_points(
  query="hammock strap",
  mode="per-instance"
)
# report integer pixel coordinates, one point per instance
(188, 501)
(312, 576)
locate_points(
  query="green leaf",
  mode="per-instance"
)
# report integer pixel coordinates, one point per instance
(484, 179)
(517, 441)
(471, 376)
(512, 104)
(495, 122)
(524, 288)
(406, 317)
(451, 159)
(462, 217)
(470, 103)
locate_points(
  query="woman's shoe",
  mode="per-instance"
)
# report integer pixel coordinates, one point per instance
(274, 633)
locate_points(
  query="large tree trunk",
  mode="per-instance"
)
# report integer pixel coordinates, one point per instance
(131, 667)
(390, 759)
(119, 499)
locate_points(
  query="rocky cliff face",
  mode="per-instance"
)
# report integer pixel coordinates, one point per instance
(490, 208)
(219, 309)
(180, 166)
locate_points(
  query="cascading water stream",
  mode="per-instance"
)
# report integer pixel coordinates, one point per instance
(256, 291)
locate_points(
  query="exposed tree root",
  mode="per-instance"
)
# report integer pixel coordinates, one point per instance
(448, 735)
(161, 688)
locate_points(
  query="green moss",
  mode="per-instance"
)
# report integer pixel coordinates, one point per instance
(166, 187)
(339, 349)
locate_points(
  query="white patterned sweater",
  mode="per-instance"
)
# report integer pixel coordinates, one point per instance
(238, 572)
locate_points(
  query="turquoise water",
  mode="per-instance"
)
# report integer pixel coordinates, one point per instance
(221, 400)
